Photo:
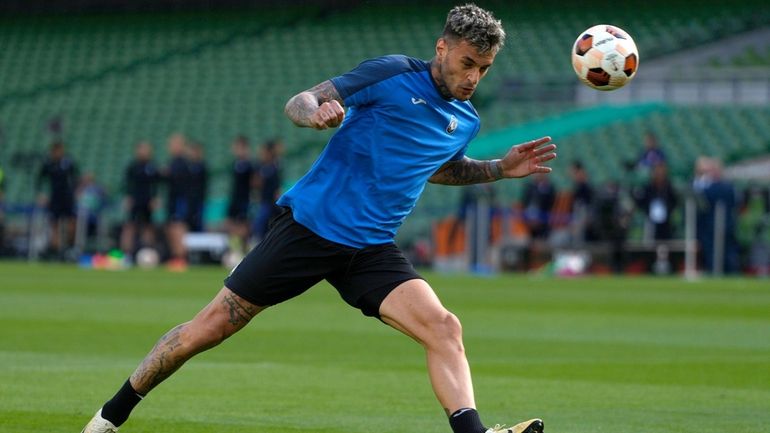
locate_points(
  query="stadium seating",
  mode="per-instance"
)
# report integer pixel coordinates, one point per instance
(750, 57)
(109, 81)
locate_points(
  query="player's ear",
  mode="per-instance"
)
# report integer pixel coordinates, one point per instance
(441, 49)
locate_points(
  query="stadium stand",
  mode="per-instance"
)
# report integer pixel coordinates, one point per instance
(749, 57)
(109, 81)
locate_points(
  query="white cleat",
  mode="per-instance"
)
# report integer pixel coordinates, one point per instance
(99, 425)
(531, 426)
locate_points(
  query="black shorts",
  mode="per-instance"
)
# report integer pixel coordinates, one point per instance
(291, 259)
(141, 213)
(238, 209)
(61, 209)
(178, 209)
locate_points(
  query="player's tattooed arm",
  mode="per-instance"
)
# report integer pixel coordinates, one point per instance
(468, 171)
(521, 160)
(319, 107)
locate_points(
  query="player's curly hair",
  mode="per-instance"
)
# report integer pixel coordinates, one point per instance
(476, 26)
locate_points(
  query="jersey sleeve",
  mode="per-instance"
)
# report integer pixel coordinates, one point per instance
(460, 154)
(357, 87)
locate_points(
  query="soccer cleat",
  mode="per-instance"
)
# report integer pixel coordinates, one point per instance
(531, 426)
(99, 425)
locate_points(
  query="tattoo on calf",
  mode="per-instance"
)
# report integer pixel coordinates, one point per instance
(161, 362)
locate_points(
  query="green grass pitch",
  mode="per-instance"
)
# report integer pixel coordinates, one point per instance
(587, 355)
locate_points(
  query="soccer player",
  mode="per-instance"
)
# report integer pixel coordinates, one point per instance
(268, 179)
(408, 122)
(62, 175)
(142, 178)
(197, 186)
(177, 177)
(242, 172)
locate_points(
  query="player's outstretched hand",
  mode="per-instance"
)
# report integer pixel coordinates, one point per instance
(329, 115)
(527, 158)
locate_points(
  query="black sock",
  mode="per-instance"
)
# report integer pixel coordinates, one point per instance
(466, 420)
(120, 406)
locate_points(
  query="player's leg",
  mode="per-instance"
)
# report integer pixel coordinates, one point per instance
(127, 236)
(55, 246)
(147, 235)
(175, 232)
(414, 309)
(225, 315)
(290, 260)
(69, 231)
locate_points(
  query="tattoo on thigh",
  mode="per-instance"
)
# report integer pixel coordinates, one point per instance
(239, 312)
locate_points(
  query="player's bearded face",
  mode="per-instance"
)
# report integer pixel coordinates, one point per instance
(459, 68)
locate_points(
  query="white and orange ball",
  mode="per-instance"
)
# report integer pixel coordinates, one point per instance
(605, 57)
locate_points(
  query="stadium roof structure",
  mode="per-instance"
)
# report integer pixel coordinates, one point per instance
(118, 6)
(560, 125)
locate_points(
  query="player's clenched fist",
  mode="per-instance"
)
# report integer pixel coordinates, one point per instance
(329, 115)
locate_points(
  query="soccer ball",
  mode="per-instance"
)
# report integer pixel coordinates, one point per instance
(605, 57)
(147, 258)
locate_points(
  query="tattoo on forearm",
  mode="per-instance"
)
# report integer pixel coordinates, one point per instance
(301, 106)
(468, 171)
(325, 92)
(239, 312)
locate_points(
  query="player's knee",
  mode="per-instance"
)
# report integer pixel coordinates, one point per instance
(445, 329)
(208, 329)
(204, 335)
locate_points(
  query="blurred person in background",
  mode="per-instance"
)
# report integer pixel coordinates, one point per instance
(581, 226)
(91, 201)
(177, 179)
(242, 175)
(268, 182)
(197, 188)
(713, 192)
(538, 200)
(612, 218)
(652, 154)
(658, 200)
(473, 199)
(754, 228)
(141, 186)
(60, 173)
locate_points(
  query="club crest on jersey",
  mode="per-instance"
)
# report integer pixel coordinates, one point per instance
(452, 125)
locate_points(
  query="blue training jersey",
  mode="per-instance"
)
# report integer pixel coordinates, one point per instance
(397, 132)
